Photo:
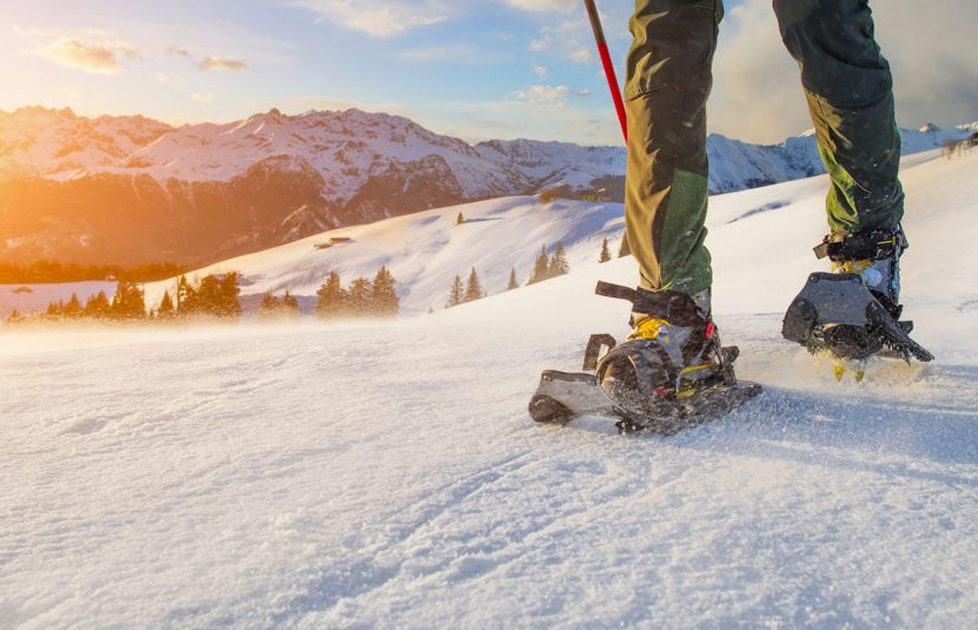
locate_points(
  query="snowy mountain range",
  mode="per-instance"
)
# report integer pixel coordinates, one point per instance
(129, 190)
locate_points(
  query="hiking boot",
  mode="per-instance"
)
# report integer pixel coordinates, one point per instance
(673, 351)
(874, 255)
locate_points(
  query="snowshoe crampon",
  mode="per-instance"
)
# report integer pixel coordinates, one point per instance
(637, 384)
(837, 313)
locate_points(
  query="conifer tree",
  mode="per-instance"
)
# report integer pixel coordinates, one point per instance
(332, 297)
(384, 294)
(184, 291)
(360, 297)
(457, 294)
(624, 249)
(73, 309)
(541, 268)
(605, 254)
(166, 309)
(513, 282)
(460, 219)
(289, 304)
(558, 263)
(269, 307)
(128, 302)
(473, 290)
(98, 306)
(228, 291)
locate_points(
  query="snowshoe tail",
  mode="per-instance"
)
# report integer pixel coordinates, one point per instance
(836, 312)
(563, 396)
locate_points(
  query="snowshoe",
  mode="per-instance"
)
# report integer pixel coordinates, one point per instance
(670, 374)
(853, 313)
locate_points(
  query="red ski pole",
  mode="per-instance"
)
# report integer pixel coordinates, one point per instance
(609, 68)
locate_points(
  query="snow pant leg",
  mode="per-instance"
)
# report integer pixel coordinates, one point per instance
(848, 87)
(669, 75)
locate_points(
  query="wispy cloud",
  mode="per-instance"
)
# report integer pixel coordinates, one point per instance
(544, 5)
(376, 17)
(94, 58)
(553, 94)
(203, 98)
(217, 63)
(178, 50)
(453, 53)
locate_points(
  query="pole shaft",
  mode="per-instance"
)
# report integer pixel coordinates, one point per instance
(609, 68)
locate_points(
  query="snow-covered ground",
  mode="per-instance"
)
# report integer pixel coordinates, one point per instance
(385, 474)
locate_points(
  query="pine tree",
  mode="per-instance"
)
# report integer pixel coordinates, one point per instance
(166, 309)
(184, 292)
(384, 294)
(73, 309)
(289, 304)
(228, 291)
(332, 297)
(624, 249)
(269, 307)
(474, 290)
(460, 219)
(605, 254)
(98, 306)
(128, 302)
(360, 294)
(513, 282)
(541, 268)
(457, 294)
(55, 309)
(558, 263)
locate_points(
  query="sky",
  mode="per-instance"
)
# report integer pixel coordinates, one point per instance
(478, 69)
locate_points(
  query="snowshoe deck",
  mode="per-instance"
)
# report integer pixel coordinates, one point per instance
(563, 396)
(838, 314)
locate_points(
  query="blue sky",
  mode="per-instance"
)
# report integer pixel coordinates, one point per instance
(478, 69)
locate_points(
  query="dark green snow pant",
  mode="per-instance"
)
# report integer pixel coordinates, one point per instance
(847, 85)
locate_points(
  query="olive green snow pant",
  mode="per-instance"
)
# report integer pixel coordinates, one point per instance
(847, 85)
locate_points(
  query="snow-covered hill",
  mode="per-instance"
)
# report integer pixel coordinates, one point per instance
(386, 474)
(131, 190)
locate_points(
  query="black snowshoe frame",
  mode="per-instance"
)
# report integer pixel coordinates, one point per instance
(563, 396)
(836, 312)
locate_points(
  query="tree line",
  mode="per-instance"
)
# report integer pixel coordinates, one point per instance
(212, 295)
(51, 272)
(361, 298)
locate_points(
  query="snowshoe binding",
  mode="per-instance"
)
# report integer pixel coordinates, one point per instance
(670, 374)
(854, 312)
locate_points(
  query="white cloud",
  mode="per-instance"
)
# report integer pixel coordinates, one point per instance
(376, 17)
(540, 71)
(203, 98)
(541, 44)
(544, 5)
(94, 58)
(463, 54)
(554, 94)
(581, 54)
(217, 63)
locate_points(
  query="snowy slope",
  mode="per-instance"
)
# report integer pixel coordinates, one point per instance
(386, 475)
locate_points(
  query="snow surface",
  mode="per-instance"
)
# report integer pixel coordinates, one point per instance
(385, 474)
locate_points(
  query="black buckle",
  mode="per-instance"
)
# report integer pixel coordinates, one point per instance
(875, 244)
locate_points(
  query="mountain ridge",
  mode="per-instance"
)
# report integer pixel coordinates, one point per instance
(130, 190)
